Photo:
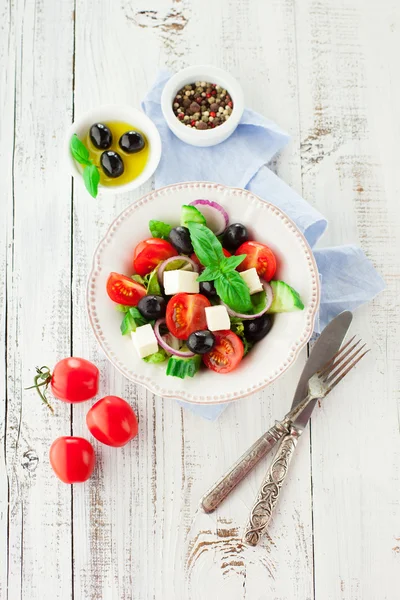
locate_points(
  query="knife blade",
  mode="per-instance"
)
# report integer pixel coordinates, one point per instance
(324, 348)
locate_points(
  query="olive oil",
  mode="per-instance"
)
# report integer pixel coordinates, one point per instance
(133, 163)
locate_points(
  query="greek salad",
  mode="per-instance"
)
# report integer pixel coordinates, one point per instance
(202, 293)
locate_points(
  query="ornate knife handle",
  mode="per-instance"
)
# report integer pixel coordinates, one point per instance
(268, 496)
(242, 466)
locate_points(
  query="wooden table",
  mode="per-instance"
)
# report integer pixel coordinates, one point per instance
(327, 71)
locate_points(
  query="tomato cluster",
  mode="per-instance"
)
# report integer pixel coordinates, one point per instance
(185, 312)
(111, 420)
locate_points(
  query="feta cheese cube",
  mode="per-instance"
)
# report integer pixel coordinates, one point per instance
(252, 280)
(144, 340)
(217, 318)
(181, 281)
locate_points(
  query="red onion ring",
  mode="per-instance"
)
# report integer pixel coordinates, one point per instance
(269, 297)
(216, 216)
(166, 346)
(161, 268)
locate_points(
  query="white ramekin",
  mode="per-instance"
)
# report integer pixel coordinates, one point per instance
(115, 112)
(211, 74)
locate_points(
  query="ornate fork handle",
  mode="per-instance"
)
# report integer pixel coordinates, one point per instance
(242, 466)
(268, 495)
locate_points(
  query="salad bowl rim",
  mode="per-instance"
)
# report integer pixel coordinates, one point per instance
(151, 383)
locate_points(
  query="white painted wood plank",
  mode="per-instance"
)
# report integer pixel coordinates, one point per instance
(349, 94)
(7, 93)
(37, 210)
(143, 501)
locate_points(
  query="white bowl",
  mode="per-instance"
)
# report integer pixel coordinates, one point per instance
(115, 112)
(211, 74)
(270, 357)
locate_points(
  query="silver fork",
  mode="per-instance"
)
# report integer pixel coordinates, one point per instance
(319, 387)
(261, 447)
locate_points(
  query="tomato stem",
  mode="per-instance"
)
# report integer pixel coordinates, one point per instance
(43, 378)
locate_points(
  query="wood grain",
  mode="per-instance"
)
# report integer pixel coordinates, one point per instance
(36, 108)
(349, 141)
(327, 72)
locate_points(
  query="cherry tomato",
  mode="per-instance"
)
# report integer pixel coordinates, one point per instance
(259, 256)
(150, 253)
(227, 352)
(185, 314)
(124, 290)
(196, 260)
(112, 421)
(72, 459)
(75, 380)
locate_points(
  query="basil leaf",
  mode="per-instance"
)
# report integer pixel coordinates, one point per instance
(151, 283)
(91, 177)
(209, 274)
(233, 291)
(159, 229)
(231, 262)
(79, 151)
(138, 279)
(157, 357)
(205, 244)
(258, 301)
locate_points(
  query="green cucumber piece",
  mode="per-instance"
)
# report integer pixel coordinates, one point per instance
(286, 299)
(183, 367)
(191, 214)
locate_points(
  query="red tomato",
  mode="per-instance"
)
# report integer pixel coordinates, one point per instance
(196, 260)
(259, 256)
(124, 290)
(185, 314)
(74, 380)
(72, 459)
(150, 253)
(226, 354)
(112, 421)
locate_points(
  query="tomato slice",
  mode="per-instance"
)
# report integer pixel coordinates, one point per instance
(226, 354)
(259, 256)
(185, 314)
(124, 290)
(196, 260)
(150, 253)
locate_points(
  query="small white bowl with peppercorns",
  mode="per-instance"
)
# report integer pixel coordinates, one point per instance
(202, 105)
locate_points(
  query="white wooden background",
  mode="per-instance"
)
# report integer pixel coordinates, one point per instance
(328, 72)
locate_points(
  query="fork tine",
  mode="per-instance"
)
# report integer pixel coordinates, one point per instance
(337, 358)
(339, 367)
(349, 368)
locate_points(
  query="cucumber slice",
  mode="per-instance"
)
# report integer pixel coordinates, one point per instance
(190, 213)
(183, 367)
(286, 299)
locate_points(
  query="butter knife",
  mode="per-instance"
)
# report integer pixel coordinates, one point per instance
(325, 347)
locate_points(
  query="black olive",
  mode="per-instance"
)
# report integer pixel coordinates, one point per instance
(112, 164)
(208, 288)
(100, 136)
(131, 142)
(234, 236)
(258, 328)
(201, 342)
(180, 238)
(152, 307)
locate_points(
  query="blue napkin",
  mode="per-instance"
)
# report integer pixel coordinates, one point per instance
(348, 278)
